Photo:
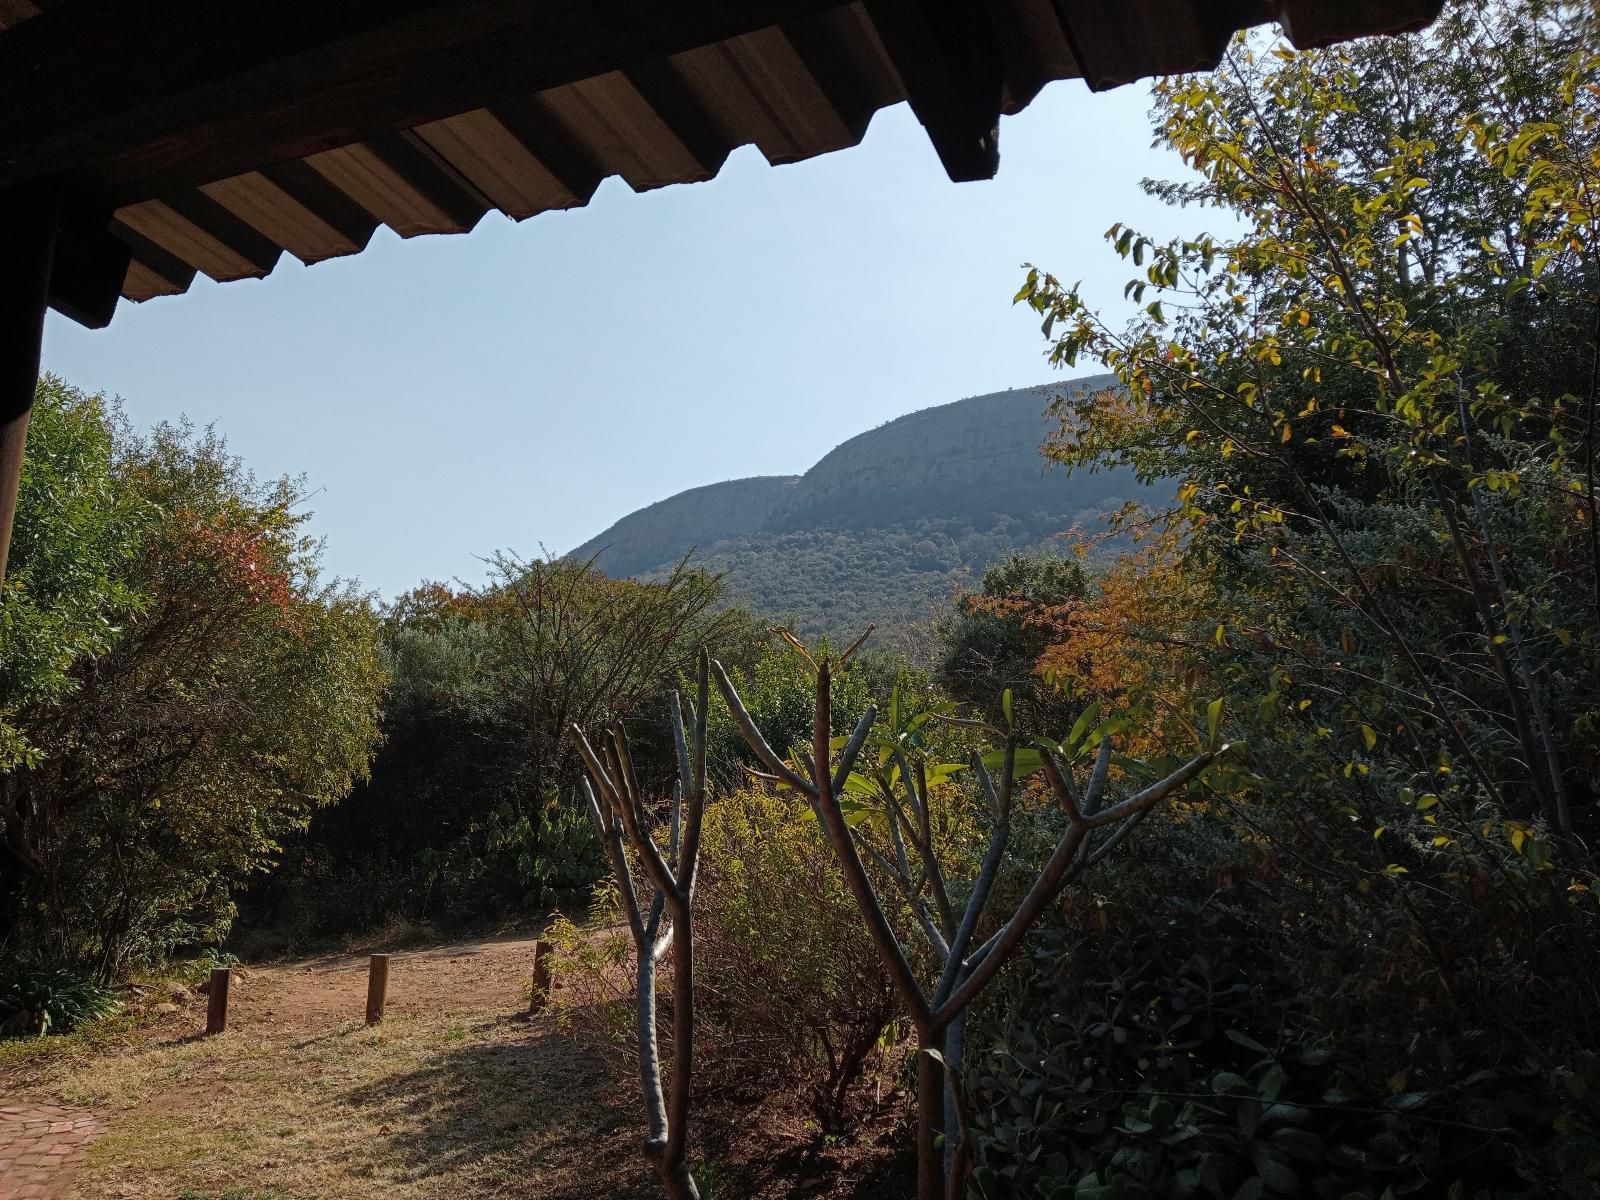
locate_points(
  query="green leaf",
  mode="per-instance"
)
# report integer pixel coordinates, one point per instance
(1081, 725)
(1026, 762)
(1214, 719)
(1249, 1043)
(1005, 707)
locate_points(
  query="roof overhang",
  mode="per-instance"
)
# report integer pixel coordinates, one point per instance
(185, 136)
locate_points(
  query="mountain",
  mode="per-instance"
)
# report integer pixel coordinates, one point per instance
(887, 526)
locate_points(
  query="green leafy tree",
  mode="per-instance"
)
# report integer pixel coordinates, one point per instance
(74, 529)
(1381, 394)
(1378, 391)
(994, 641)
(233, 692)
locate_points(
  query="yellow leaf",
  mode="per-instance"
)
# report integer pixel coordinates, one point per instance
(1518, 839)
(1288, 431)
(1369, 735)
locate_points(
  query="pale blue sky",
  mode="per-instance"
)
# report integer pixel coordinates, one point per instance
(528, 384)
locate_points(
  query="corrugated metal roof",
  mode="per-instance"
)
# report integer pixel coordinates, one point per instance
(793, 91)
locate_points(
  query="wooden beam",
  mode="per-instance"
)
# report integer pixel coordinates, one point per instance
(89, 268)
(28, 221)
(947, 56)
(137, 99)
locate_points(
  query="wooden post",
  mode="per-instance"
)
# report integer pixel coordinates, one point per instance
(217, 1001)
(540, 996)
(377, 987)
(28, 221)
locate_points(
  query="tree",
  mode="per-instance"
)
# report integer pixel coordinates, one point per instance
(74, 529)
(827, 778)
(622, 820)
(993, 643)
(232, 692)
(572, 647)
(1381, 394)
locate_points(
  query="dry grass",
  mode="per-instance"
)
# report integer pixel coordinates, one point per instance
(442, 1100)
(420, 1108)
(456, 1094)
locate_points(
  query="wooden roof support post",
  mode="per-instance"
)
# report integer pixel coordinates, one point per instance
(28, 221)
(949, 60)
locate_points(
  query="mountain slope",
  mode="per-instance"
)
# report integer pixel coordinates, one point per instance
(886, 526)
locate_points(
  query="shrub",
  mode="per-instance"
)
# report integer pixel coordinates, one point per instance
(791, 989)
(38, 998)
(791, 997)
(1239, 1019)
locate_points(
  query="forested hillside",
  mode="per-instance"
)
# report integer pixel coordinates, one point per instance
(887, 525)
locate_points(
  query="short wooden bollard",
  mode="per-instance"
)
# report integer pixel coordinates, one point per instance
(540, 995)
(377, 987)
(217, 1001)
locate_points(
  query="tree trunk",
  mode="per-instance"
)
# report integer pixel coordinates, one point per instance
(930, 1116)
(676, 1180)
(956, 1151)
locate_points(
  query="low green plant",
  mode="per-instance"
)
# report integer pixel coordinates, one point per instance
(39, 998)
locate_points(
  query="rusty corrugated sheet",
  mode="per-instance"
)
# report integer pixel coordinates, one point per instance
(794, 92)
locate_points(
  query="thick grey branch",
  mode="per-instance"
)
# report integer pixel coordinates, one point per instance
(753, 737)
(844, 847)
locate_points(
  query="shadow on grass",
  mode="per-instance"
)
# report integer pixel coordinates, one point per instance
(526, 1114)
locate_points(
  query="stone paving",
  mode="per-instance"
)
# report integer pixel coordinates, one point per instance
(41, 1148)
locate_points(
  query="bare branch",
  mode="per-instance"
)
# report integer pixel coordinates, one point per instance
(844, 847)
(753, 738)
(988, 871)
(852, 748)
(1095, 796)
(994, 953)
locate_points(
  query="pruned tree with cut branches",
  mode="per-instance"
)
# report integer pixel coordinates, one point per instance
(666, 923)
(1096, 825)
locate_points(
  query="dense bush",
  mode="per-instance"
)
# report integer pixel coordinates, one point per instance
(1239, 1018)
(792, 993)
(182, 687)
(467, 813)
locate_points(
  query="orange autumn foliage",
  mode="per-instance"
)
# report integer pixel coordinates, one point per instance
(1135, 644)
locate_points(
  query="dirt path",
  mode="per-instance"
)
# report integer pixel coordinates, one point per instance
(457, 1093)
(490, 975)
